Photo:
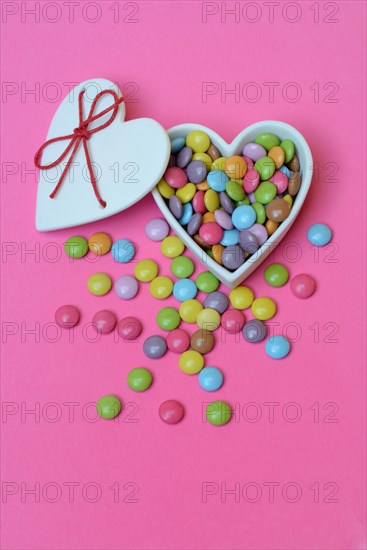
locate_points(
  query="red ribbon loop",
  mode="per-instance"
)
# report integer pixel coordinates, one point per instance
(81, 134)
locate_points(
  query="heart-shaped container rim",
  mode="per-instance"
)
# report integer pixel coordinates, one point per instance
(283, 131)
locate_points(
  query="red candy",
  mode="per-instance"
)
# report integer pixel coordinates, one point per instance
(129, 328)
(67, 316)
(303, 285)
(178, 340)
(211, 233)
(175, 177)
(233, 320)
(171, 411)
(104, 321)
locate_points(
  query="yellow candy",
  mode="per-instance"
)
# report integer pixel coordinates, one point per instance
(198, 141)
(189, 310)
(191, 362)
(186, 193)
(208, 319)
(241, 297)
(99, 284)
(205, 158)
(146, 270)
(211, 200)
(263, 308)
(172, 247)
(219, 164)
(161, 287)
(288, 199)
(165, 190)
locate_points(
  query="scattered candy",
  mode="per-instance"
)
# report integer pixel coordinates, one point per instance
(216, 300)
(276, 275)
(126, 287)
(157, 229)
(123, 251)
(76, 247)
(104, 321)
(184, 289)
(171, 412)
(210, 378)
(191, 362)
(189, 310)
(146, 270)
(232, 320)
(208, 319)
(67, 316)
(168, 318)
(172, 247)
(303, 285)
(99, 284)
(319, 234)
(277, 347)
(202, 341)
(129, 328)
(218, 413)
(161, 287)
(139, 379)
(178, 340)
(254, 331)
(155, 347)
(263, 308)
(241, 297)
(100, 244)
(108, 406)
(182, 267)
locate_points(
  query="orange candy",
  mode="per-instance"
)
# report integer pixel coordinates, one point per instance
(235, 167)
(208, 217)
(217, 251)
(203, 186)
(278, 155)
(100, 243)
(271, 226)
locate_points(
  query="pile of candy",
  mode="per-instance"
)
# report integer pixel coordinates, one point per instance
(209, 316)
(230, 206)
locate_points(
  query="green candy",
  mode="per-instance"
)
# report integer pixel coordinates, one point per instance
(139, 379)
(168, 318)
(288, 147)
(246, 200)
(218, 413)
(182, 267)
(207, 282)
(266, 168)
(76, 247)
(276, 275)
(267, 140)
(260, 212)
(235, 191)
(265, 192)
(108, 406)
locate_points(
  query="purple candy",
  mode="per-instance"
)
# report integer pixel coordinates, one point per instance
(249, 242)
(126, 287)
(260, 233)
(223, 219)
(226, 202)
(155, 347)
(194, 224)
(184, 157)
(251, 198)
(233, 257)
(176, 206)
(254, 151)
(157, 229)
(196, 171)
(217, 300)
(254, 331)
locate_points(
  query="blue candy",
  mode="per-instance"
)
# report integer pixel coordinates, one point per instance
(285, 171)
(277, 347)
(184, 289)
(243, 217)
(177, 144)
(230, 237)
(123, 251)
(210, 378)
(319, 234)
(187, 214)
(217, 180)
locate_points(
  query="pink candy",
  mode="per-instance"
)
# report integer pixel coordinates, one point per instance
(280, 181)
(233, 320)
(198, 203)
(67, 316)
(303, 285)
(211, 233)
(175, 177)
(129, 328)
(178, 340)
(251, 181)
(104, 321)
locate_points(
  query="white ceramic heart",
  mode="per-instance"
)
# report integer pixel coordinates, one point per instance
(128, 158)
(283, 131)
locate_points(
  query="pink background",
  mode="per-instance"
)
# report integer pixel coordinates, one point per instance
(168, 54)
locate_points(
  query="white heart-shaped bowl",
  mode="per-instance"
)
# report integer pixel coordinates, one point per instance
(283, 131)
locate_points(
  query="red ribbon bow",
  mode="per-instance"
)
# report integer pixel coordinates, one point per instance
(81, 134)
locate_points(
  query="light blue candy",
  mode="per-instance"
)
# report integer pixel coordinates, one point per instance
(217, 180)
(184, 289)
(319, 234)
(210, 378)
(177, 144)
(285, 171)
(230, 237)
(277, 347)
(187, 213)
(243, 217)
(123, 251)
